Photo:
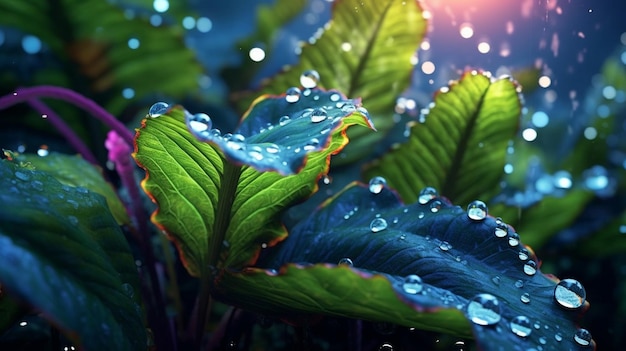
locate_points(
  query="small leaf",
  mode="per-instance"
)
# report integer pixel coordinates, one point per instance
(198, 190)
(430, 256)
(460, 147)
(62, 252)
(75, 171)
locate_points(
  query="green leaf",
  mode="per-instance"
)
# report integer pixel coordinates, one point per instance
(460, 148)
(75, 171)
(222, 190)
(62, 252)
(456, 255)
(365, 51)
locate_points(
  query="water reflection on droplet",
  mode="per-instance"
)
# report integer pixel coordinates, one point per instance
(477, 210)
(345, 262)
(569, 293)
(292, 95)
(530, 267)
(378, 224)
(427, 194)
(484, 309)
(525, 298)
(520, 326)
(582, 337)
(412, 284)
(377, 184)
(318, 115)
(158, 109)
(309, 79)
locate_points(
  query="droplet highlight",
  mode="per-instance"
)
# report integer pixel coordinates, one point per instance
(427, 194)
(377, 184)
(582, 337)
(158, 109)
(520, 326)
(484, 309)
(569, 293)
(412, 284)
(477, 210)
(378, 224)
(292, 95)
(309, 79)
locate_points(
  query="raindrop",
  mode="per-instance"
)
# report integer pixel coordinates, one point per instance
(292, 95)
(582, 337)
(378, 224)
(435, 206)
(520, 326)
(525, 298)
(198, 123)
(530, 267)
(477, 210)
(502, 229)
(345, 262)
(284, 120)
(569, 293)
(158, 109)
(377, 184)
(309, 79)
(318, 115)
(427, 194)
(445, 246)
(412, 284)
(484, 309)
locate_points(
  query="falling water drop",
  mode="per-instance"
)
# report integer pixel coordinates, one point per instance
(520, 326)
(292, 95)
(158, 109)
(377, 184)
(477, 210)
(569, 293)
(378, 224)
(582, 337)
(412, 284)
(309, 79)
(427, 194)
(484, 309)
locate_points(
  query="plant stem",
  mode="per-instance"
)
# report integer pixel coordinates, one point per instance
(48, 91)
(226, 198)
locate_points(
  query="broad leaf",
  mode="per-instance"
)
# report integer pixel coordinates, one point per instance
(365, 51)
(460, 148)
(75, 171)
(62, 252)
(455, 257)
(224, 185)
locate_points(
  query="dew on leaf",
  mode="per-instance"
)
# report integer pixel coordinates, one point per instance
(378, 224)
(501, 230)
(582, 337)
(520, 326)
(427, 194)
(334, 97)
(377, 184)
(530, 267)
(445, 246)
(292, 95)
(198, 123)
(284, 120)
(309, 79)
(157, 109)
(513, 239)
(523, 254)
(412, 284)
(569, 293)
(477, 210)
(558, 337)
(345, 262)
(484, 309)
(318, 115)
(519, 284)
(22, 176)
(525, 298)
(435, 206)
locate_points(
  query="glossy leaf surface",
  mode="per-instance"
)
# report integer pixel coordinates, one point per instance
(456, 257)
(185, 176)
(460, 147)
(62, 252)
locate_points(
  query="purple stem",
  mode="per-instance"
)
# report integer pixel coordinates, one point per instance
(64, 129)
(48, 91)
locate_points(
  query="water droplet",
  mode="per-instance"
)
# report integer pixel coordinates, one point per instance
(582, 337)
(530, 267)
(477, 210)
(513, 239)
(412, 284)
(484, 309)
(22, 176)
(37, 185)
(318, 115)
(519, 284)
(292, 95)
(537, 325)
(272, 149)
(158, 109)
(378, 224)
(525, 298)
(312, 144)
(199, 123)
(435, 206)
(558, 337)
(309, 79)
(427, 194)
(128, 290)
(445, 246)
(569, 293)
(502, 229)
(520, 326)
(284, 120)
(377, 184)
(386, 347)
(523, 254)
(334, 97)
(496, 280)
(345, 262)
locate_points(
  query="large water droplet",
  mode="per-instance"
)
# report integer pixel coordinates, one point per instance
(520, 326)
(378, 224)
(569, 293)
(309, 79)
(345, 262)
(582, 337)
(318, 115)
(484, 309)
(377, 184)
(292, 95)
(412, 284)
(198, 123)
(427, 194)
(530, 267)
(477, 210)
(158, 109)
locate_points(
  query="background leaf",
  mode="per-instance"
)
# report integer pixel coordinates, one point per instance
(460, 148)
(62, 252)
